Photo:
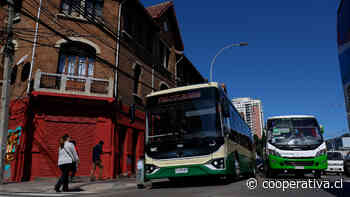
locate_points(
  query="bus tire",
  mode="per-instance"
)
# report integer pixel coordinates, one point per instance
(237, 168)
(300, 174)
(317, 174)
(347, 171)
(140, 186)
(269, 173)
(347, 174)
(253, 173)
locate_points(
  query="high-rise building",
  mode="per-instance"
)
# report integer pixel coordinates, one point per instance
(343, 29)
(251, 111)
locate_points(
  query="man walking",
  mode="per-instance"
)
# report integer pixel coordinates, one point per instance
(96, 159)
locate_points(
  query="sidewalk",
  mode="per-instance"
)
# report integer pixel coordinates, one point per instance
(80, 185)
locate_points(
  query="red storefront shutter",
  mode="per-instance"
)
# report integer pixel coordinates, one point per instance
(82, 133)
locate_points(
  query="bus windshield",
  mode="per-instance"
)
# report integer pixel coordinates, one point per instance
(334, 156)
(294, 132)
(191, 115)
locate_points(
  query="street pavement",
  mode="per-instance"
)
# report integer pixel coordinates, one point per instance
(196, 187)
(80, 187)
(211, 187)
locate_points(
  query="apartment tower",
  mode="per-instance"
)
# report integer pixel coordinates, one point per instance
(251, 111)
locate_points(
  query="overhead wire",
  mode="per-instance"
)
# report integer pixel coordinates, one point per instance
(27, 13)
(91, 18)
(48, 14)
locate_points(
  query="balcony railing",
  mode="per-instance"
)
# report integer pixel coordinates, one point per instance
(76, 85)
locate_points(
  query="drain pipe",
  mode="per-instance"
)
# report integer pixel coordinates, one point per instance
(116, 80)
(34, 47)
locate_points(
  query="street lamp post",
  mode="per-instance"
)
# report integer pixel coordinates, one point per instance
(220, 51)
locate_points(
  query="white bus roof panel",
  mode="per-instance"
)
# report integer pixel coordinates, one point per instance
(291, 116)
(190, 87)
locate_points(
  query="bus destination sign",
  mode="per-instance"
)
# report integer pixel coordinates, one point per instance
(179, 97)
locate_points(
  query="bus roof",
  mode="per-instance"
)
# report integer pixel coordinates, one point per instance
(190, 87)
(291, 116)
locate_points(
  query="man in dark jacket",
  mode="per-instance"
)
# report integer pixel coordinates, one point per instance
(96, 159)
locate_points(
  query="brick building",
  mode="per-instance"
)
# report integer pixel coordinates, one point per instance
(83, 80)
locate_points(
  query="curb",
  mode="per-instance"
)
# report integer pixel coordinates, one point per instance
(125, 186)
(85, 187)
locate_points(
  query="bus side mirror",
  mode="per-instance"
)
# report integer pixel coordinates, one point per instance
(322, 130)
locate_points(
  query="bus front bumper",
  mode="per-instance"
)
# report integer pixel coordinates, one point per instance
(280, 163)
(184, 171)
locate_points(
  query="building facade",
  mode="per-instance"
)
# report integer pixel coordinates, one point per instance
(78, 70)
(252, 112)
(343, 30)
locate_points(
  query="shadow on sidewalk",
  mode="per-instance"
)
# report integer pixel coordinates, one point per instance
(194, 182)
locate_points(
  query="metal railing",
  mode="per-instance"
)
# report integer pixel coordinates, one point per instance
(69, 84)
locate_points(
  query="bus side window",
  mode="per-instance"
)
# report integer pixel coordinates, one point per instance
(225, 107)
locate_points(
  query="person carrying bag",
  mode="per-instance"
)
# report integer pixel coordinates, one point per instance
(67, 155)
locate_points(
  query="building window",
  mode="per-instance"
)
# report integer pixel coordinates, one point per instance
(165, 26)
(82, 8)
(149, 41)
(137, 74)
(163, 54)
(77, 59)
(129, 20)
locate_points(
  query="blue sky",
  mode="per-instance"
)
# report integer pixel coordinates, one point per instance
(291, 63)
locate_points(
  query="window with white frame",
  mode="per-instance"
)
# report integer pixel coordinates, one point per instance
(164, 54)
(165, 26)
(82, 8)
(77, 59)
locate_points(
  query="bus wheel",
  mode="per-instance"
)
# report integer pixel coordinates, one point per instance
(299, 175)
(175, 180)
(237, 168)
(253, 173)
(140, 186)
(269, 173)
(347, 171)
(317, 174)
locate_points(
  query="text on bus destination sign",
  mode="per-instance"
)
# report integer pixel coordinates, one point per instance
(179, 97)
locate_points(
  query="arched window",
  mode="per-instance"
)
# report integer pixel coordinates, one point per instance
(77, 58)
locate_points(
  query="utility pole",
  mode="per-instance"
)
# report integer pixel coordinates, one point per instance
(5, 96)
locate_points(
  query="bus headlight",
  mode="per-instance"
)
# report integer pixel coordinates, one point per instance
(218, 163)
(321, 152)
(151, 168)
(274, 153)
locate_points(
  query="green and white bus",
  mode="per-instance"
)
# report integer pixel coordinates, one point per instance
(196, 131)
(294, 144)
